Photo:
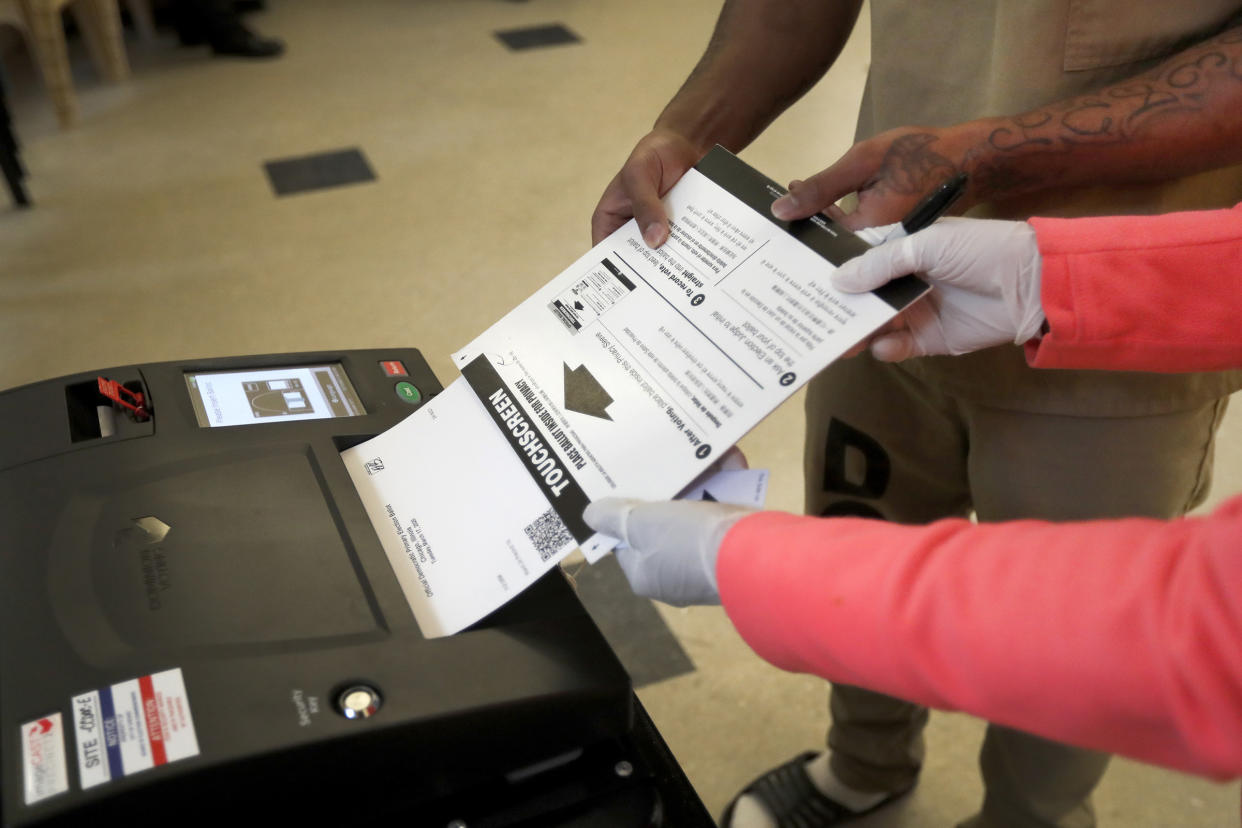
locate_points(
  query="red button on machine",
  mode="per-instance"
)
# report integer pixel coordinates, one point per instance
(394, 368)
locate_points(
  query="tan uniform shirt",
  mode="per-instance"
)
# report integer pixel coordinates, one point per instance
(941, 62)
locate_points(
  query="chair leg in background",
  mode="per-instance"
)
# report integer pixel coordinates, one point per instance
(100, 22)
(48, 34)
(144, 23)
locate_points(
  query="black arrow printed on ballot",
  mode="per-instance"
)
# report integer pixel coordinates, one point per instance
(584, 394)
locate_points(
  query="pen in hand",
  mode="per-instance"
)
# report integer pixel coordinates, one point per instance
(932, 207)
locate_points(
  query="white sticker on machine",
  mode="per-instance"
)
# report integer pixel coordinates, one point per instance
(132, 726)
(43, 759)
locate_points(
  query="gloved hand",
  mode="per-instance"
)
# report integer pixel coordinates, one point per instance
(672, 544)
(985, 277)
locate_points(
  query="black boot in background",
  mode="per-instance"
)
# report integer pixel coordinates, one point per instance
(217, 23)
(233, 38)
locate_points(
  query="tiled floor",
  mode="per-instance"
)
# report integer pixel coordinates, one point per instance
(156, 235)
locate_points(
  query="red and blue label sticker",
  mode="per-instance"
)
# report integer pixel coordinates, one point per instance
(133, 726)
(129, 727)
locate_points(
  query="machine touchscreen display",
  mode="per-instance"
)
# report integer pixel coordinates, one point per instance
(272, 395)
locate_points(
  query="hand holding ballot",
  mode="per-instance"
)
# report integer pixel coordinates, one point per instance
(671, 546)
(985, 278)
(658, 162)
(889, 173)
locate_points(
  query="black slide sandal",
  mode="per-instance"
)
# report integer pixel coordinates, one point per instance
(788, 794)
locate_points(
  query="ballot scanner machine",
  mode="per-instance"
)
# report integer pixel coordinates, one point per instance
(198, 623)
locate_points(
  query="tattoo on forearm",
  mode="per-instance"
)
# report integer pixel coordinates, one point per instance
(911, 162)
(1124, 113)
(992, 176)
(1179, 90)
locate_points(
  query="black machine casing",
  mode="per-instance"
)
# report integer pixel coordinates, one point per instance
(272, 594)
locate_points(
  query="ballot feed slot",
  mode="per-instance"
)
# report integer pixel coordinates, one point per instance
(93, 415)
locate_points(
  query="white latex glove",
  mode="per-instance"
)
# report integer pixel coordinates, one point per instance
(985, 277)
(673, 545)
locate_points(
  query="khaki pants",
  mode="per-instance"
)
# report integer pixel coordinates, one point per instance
(882, 443)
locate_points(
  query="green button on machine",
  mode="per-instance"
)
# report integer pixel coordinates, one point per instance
(408, 392)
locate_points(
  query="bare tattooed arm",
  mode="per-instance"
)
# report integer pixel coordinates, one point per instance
(1184, 116)
(1181, 117)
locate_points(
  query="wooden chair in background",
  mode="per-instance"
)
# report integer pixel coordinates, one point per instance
(100, 24)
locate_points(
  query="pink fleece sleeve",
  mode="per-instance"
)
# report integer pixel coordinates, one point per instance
(1141, 293)
(1124, 636)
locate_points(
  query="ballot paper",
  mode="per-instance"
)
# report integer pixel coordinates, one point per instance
(463, 525)
(629, 374)
(469, 537)
(634, 369)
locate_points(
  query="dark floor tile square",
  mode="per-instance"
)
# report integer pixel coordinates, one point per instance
(632, 625)
(318, 171)
(537, 37)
